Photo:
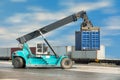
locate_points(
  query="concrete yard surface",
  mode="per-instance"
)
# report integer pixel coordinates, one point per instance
(78, 72)
(96, 69)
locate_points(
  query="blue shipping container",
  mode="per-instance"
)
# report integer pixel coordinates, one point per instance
(87, 40)
(77, 40)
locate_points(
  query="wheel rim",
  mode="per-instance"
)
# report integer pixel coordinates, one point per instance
(67, 63)
(16, 63)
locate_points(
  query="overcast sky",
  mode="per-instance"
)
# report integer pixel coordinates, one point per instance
(19, 17)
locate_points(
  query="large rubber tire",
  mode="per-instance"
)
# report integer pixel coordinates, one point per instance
(66, 63)
(18, 63)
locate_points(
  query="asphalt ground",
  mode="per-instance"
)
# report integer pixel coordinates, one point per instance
(77, 72)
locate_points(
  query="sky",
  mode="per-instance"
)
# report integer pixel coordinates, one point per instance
(19, 17)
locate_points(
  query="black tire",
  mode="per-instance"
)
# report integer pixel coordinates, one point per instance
(18, 63)
(66, 63)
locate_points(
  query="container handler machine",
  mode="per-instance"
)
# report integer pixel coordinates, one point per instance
(25, 58)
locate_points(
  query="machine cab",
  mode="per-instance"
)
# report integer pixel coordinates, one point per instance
(41, 49)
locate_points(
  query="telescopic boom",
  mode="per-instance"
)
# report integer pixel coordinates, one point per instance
(55, 25)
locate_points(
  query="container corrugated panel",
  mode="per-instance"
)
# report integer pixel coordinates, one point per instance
(87, 40)
(83, 54)
(98, 54)
(95, 40)
(60, 50)
(5, 53)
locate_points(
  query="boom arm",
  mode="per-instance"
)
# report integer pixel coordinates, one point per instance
(57, 24)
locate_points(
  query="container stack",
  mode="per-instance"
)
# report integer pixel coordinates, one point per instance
(88, 38)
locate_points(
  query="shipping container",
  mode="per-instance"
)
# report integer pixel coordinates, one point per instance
(87, 39)
(14, 49)
(101, 52)
(98, 54)
(72, 53)
(5, 53)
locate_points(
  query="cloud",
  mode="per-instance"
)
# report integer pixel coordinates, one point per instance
(6, 33)
(15, 19)
(34, 17)
(41, 14)
(112, 25)
(9, 34)
(110, 10)
(36, 9)
(23, 23)
(7, 37)
(18, 0)
(2, 30)
(87, 6)
(110, 29)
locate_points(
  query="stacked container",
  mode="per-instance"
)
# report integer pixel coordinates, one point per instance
(5, 53)
(88, 38)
